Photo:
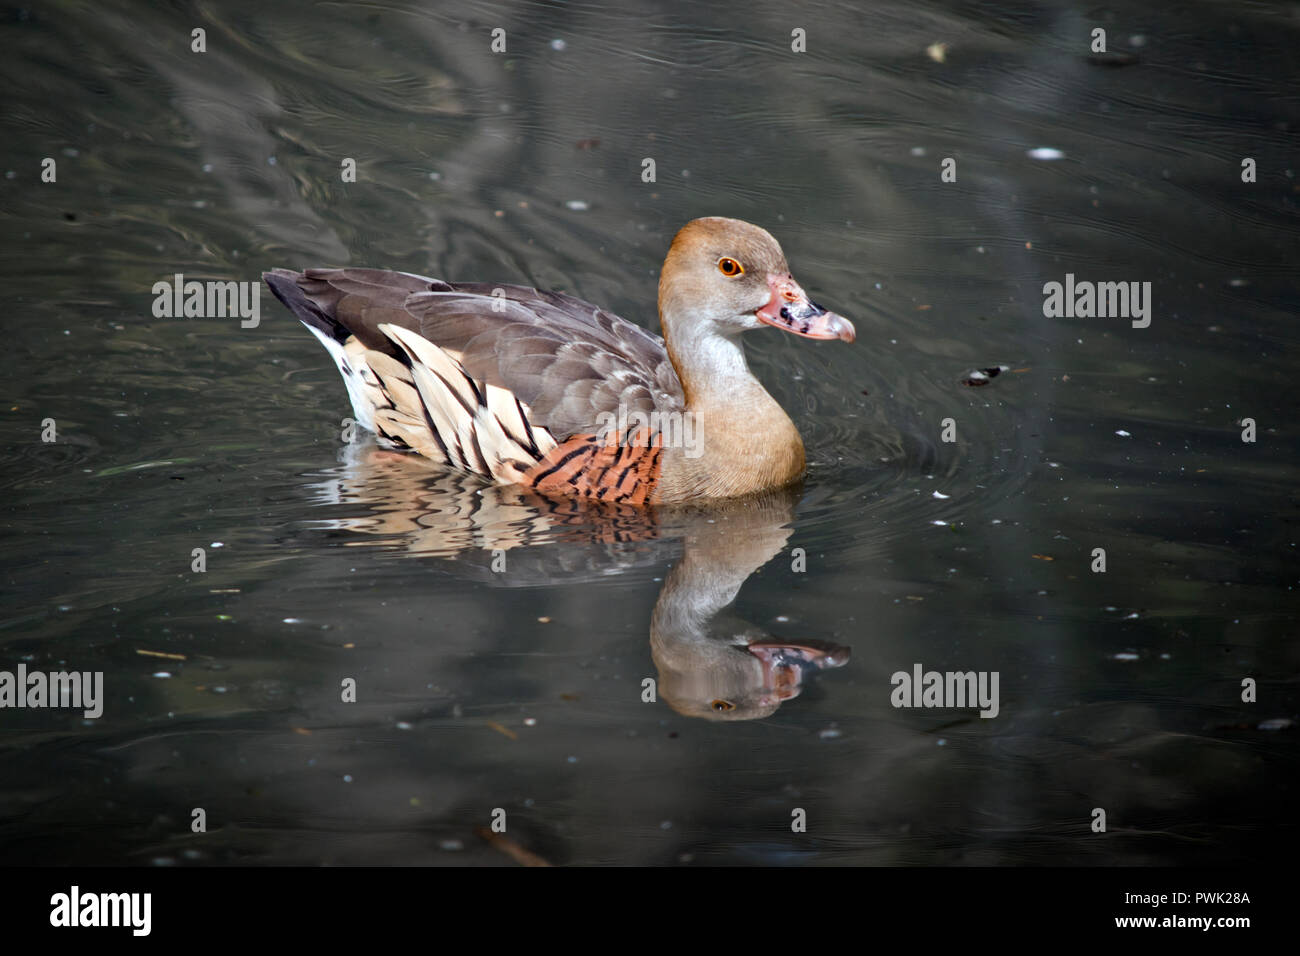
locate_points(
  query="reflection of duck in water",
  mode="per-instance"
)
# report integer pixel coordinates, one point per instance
(537, 389)
(711, 663)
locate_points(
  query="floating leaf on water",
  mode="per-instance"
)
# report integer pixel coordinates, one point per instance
(123, 469)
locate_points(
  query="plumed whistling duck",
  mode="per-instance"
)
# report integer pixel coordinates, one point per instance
(547, 391)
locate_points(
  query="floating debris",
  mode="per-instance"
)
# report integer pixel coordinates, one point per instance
(1112, 58)
(170, 657)
(982, 376)
(510, 848)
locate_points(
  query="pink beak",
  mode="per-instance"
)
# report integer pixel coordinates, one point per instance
(790, 309)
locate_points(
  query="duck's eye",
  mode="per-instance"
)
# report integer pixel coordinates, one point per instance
(722, 705)
(730, 267)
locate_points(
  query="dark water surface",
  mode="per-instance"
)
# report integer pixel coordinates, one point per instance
(522, 689)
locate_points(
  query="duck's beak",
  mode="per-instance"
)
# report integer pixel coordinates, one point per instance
(785, 665)
(789, 308)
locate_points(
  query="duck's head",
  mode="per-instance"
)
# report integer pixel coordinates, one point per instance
(724, 276)
(723, 681)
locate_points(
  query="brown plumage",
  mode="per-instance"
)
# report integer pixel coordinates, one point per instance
(548, 391)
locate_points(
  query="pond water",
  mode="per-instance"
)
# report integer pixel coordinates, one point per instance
(499, 646)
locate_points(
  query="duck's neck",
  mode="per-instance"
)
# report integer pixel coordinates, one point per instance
(747, 442)
(711, 367)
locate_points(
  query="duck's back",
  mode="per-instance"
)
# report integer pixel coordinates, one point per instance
(504, 381)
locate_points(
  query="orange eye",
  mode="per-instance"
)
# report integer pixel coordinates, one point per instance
(730, 267)
(723, 705)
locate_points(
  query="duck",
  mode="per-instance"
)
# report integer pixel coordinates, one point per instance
(546, 391)
(712, 663)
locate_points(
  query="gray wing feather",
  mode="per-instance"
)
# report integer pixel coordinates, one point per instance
(567, 359)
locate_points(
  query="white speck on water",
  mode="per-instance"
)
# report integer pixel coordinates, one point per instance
(1045, 152)
(1124, 656)
(217, 544)
(572, 759)
(829, 733)
(1123, 434)
(451, 846)
(162, 674)
(293, 620)
(403, 725)
(578, 205)
(558, 44)
(530, 721)
(940, 495)
(347, 778)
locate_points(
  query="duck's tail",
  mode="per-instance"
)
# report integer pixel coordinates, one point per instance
(417, 395)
